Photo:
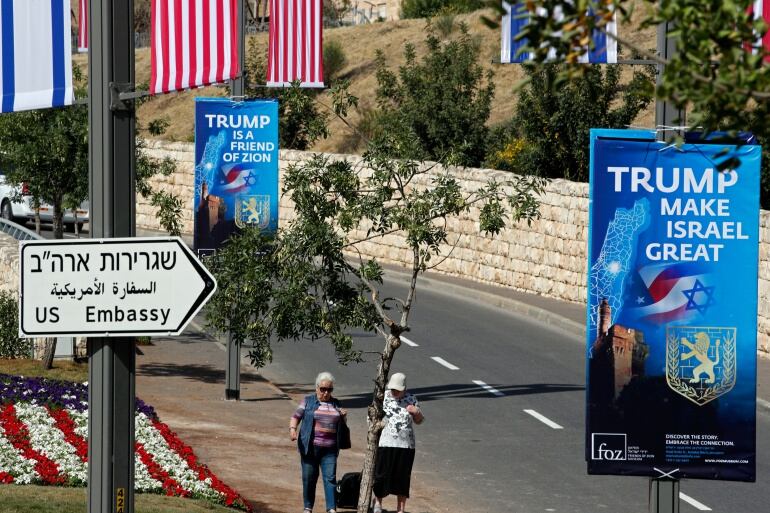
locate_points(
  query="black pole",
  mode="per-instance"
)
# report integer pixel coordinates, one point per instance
(237, 88)
(664, 495)
(112, 364)
(666, 114)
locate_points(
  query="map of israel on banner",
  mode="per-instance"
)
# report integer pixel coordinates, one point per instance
(516, 17)
(236, 169)
(672, 308)
(35, 54)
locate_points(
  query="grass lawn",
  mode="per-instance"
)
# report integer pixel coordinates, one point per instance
(53, 499)
(62, 369)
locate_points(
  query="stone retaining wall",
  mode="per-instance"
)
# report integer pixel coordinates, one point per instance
(547, 257)
(9, 263)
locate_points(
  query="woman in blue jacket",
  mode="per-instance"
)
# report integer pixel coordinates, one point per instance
(318, 440)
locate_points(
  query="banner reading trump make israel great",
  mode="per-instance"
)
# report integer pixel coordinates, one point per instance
(236, 168)
(672, 308)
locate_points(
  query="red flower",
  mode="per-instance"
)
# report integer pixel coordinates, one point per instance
(67, 426)
(169, 484)
(231, 497)
(6, 478)
(16, 433)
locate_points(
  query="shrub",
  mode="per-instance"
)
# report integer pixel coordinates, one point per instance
(334, 60)
(11, 346)
(442, 102)
(555, 125)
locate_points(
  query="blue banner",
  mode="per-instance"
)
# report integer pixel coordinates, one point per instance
(672, 307)
(236, 168)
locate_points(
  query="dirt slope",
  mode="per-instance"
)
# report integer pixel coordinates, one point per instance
(361, 43)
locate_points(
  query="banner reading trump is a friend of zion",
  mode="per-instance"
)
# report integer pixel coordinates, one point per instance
(672, 307)
(236, 169)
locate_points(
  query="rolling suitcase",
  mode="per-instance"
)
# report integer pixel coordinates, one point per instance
(347, 490)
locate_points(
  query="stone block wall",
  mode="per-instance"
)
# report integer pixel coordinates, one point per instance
(9, 263)
(547, 257)
(180, 183)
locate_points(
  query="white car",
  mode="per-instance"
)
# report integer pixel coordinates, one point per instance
(22, 210)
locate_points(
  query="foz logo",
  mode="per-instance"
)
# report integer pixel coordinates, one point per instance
(608, 446)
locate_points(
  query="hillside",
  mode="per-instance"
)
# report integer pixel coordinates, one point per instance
(361, 43)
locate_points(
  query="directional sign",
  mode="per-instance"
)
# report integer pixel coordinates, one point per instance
(110, 287)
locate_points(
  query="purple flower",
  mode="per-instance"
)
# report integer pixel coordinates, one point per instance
(63, 394)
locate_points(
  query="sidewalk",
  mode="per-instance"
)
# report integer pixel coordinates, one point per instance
(245, 443)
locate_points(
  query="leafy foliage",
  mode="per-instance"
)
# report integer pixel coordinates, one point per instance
(334, 60)
(11, 346)
(713, 73)
(443, 102)
(168, 204)
(48, 150)
(554, 124)
(428, 8)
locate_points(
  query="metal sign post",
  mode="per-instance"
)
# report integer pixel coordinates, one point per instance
(666, 115)
(664, 495)
(111, 361)
(238, 90)
(664, 492)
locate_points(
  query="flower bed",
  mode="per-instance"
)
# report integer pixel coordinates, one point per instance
(43, 440)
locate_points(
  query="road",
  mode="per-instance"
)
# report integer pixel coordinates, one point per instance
(504, 397)
(504, 400)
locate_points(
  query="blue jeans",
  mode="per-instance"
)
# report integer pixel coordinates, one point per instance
(326, 459)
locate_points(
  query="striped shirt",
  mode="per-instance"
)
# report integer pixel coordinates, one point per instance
(325, 420)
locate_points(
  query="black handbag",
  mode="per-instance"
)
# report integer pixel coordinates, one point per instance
(344, 433)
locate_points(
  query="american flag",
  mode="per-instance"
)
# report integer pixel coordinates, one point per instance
(193, 43)
(83, 26)
(35, 54)
(295, 49)
(668, 292)
(605, 49)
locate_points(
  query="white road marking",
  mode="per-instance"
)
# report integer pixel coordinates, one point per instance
(692, 502)
(545, 420)
(488, 388)
(408, 342)
(443, 362)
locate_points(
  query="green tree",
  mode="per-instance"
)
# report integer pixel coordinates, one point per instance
(718, 74)
(443, 101)
(713, 74)
(11, 346)
(554, 125)
(47, 150)
(311, 282)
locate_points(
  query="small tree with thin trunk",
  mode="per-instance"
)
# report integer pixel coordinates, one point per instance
(312, 280)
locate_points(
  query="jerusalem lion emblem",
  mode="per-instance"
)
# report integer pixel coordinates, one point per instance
(252, 210)
(700, 361)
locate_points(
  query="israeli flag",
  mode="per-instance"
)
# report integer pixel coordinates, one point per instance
(516, 17)
(35, 54)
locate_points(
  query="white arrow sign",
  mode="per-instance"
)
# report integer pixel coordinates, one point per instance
(110, 287)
